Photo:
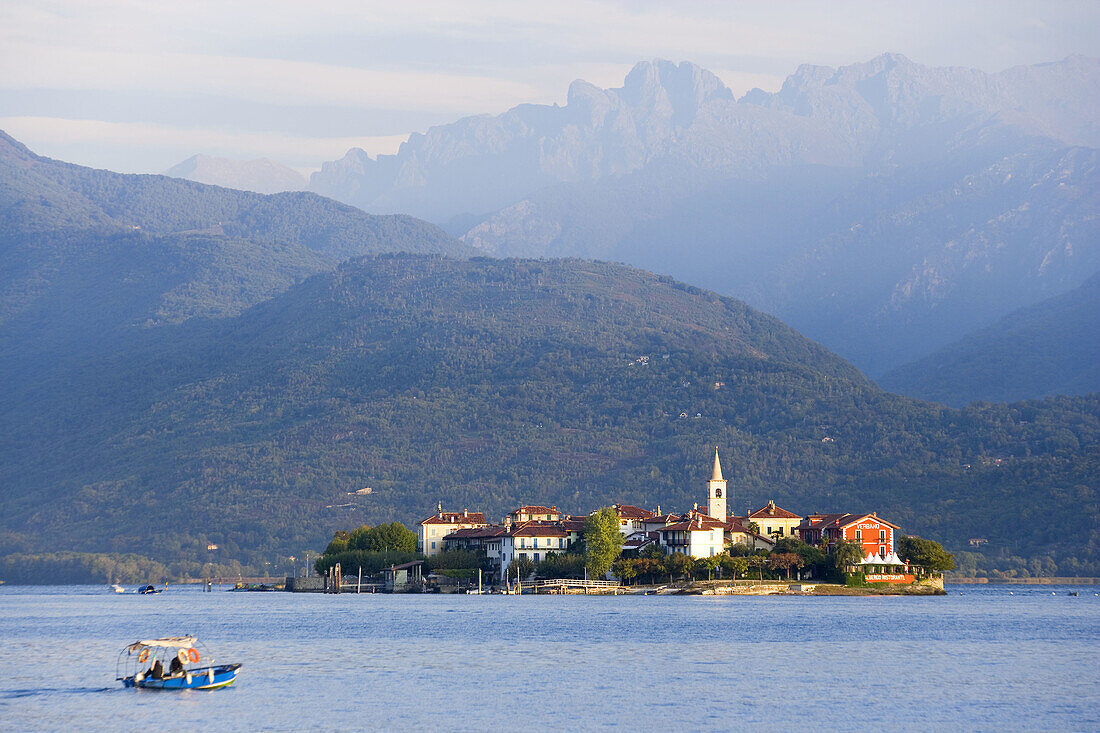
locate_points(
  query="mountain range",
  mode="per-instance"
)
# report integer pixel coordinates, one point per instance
(260, 176)
(885, 209)
(187, 365)
(1045, 349)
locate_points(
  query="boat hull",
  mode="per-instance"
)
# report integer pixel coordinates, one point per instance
(200, 679)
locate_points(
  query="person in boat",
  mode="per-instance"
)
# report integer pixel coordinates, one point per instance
(157, 670)
(175, 669)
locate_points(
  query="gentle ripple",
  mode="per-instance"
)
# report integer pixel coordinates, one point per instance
(993, 658)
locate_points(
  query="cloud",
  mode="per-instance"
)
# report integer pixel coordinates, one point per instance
(271, 81)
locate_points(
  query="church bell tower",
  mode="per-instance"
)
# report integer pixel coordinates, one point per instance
(716, 491)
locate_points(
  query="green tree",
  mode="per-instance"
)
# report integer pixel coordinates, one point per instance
(846, 553)
(929, 554)
(758, 562)
(603, 541)
(625, 568)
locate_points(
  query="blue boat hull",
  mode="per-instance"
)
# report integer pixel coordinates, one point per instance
(198, 679)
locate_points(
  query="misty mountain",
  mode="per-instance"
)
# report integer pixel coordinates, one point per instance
(485, 384)
(260, 176)
(87, 253)
(884, 208)
(1045, 349)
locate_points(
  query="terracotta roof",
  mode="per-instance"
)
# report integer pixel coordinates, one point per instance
(470, 533)
(629, 511)
(853, 518)
(455, 518)
(537, 529)
(537, 510)
(771, 510)
(572, 525)
(839, 521)
(700, 523)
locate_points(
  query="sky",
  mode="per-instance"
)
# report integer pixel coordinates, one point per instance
(138, 86)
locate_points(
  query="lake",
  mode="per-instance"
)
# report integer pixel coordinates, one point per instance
(980, 658)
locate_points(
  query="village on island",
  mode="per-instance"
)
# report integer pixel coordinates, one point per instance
(708, 550)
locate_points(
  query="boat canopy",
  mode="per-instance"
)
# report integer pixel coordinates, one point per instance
(171, 642)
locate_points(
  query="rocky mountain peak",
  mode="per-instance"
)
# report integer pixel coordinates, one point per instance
(676, 90)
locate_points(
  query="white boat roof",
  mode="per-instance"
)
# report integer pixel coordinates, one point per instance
(171, 642)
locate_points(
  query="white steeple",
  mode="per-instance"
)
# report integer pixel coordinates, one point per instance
(716, 491)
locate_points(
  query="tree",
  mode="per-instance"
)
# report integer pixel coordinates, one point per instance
(929, 554)
(739, 565)
(603, 541)
(846, 553)
(758, 562)
(678, 564)
(784, 561)
(625, 568)
(521, 567)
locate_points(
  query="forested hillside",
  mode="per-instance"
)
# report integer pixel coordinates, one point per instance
(488, 383)
(86, 254)
(1047, 349)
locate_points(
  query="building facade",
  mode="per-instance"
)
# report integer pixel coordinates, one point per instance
(431, 530)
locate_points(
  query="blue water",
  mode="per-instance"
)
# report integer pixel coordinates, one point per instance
(994, 658)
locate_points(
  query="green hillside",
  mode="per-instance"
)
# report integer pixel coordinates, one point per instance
(85, 252)
(1049, 348)
(486, 383)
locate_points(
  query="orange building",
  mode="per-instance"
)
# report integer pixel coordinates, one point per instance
(872, 534)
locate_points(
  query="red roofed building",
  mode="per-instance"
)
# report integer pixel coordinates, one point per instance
(433, 529)
(631, 518)
(697, 536)
(535, 514)
(533, 541)
(776, 522)
(872, 534)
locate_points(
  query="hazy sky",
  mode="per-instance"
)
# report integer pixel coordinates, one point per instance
(139, 86)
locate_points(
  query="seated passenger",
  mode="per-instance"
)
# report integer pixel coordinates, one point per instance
(157, 670)
(175, 668)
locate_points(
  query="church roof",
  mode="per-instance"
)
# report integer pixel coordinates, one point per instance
(462, 517)
(716, 474)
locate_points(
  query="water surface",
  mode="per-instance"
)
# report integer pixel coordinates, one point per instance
(994, 658)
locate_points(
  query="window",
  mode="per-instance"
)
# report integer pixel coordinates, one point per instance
(433, 545)
(561, 542)
(859, 534)
(536, 557)
(882, 551)
(717, 493)
(882, 535)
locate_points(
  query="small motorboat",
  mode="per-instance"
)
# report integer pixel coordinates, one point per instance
(146, 590)
(174, 663)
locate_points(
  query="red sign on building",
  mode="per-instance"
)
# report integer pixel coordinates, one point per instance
(889, 578)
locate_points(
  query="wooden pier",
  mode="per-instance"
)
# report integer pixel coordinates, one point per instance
(561, 586)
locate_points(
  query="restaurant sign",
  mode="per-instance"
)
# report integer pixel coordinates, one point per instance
(889, 578)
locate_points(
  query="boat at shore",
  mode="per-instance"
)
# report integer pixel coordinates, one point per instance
(173, 663)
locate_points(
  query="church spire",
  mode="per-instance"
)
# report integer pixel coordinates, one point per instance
(716, 491)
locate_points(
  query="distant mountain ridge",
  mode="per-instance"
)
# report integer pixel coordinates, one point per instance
(152, 250)
(259, 176)
(884, 208)
(1045, 349)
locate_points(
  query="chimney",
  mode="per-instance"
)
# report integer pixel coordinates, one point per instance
(658, 510)
(465, 514)
(699, 521)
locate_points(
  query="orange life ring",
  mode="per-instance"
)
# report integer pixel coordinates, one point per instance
(193, 655)
(144, 656)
